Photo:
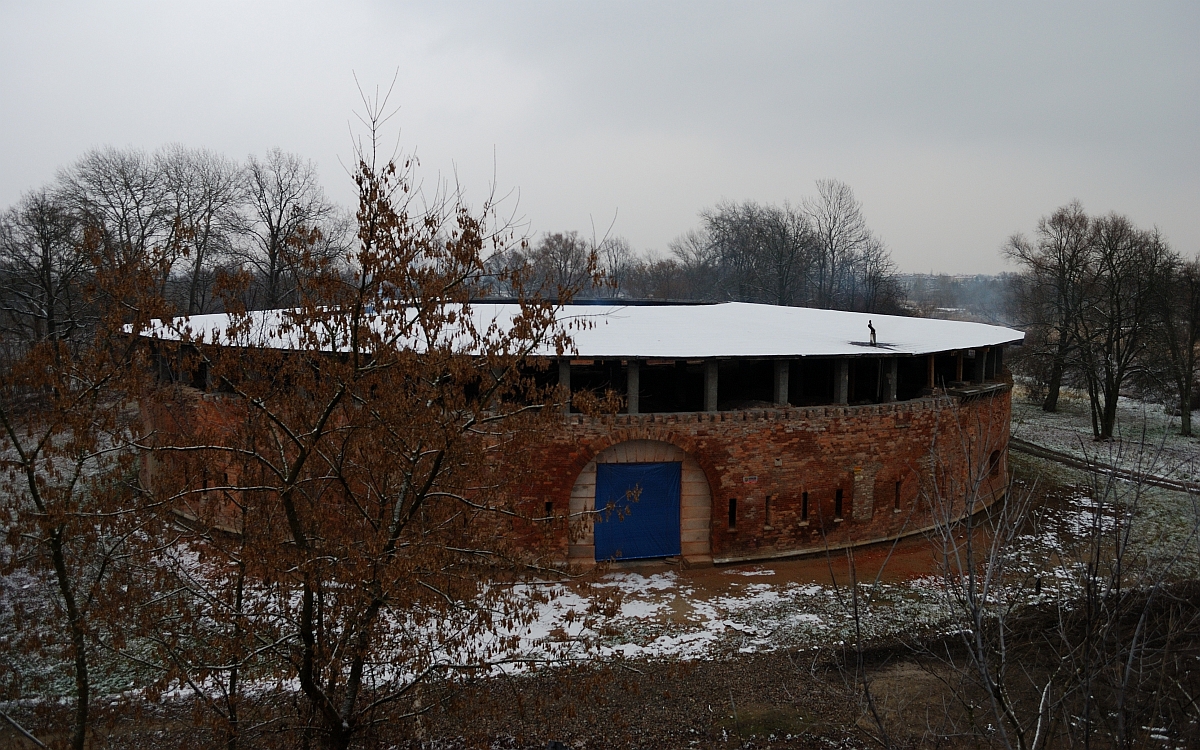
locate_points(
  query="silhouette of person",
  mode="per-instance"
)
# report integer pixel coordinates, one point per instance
(872, 332)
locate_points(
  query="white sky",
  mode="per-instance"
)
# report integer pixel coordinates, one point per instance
(956, 124)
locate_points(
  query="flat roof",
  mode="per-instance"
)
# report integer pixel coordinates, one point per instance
(742, 329)
(730, 329)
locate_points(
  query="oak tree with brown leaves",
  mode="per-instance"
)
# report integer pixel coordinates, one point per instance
(352, 485)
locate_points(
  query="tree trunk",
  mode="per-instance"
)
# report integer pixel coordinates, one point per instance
(234, 687)
(1108, 418)
(1094, 406)
(339, 737)
(1185, 412)
(1053, 387)
(78, 639)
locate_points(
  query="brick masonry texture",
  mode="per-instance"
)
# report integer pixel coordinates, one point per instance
(767, 459)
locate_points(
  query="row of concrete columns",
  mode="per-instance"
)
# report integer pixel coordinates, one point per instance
(978, 368)
(781, 372)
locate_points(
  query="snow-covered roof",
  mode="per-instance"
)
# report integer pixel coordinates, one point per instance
(740, 329)
(731, 329)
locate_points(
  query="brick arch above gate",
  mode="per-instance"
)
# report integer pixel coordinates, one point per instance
(595, 445)
(695, 497)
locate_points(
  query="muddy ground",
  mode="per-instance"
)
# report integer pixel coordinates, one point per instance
(777, 700)
(785, 700)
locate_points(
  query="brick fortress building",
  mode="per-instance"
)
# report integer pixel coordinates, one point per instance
(755, 431)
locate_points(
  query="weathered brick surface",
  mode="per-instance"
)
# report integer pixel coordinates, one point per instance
(183, 416)
(752, 455)
(780, 454)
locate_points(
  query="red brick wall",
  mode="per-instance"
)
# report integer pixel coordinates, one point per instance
(863, 450)
(184, 416)
(779, 454)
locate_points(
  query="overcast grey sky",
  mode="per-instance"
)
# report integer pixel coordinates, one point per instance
(955, 123)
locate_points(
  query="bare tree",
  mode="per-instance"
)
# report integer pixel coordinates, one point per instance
(841, 235)
(205, 192)
(617, 263)
(1177, 330)
(658, 278)
(285, 205)
(560, 261)
(765, 251)
(1112, 328)
(121, 196)
(377, 498)
(1063, 632)
(67, 504)
(819, 255)
(1053, 293)
(42, 269)
(699, 266)
(984, 581)
(873, 285)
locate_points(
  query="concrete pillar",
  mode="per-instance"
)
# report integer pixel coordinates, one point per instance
(781, 381)
(841, 381)
(564, 379)
(981, 355)
(890, 373)
(710, 385)
(632, 386)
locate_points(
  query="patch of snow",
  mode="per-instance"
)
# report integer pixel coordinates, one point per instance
(748, 572)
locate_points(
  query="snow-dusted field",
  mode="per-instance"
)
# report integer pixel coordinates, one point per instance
(714, 613)
(654, 611)
(664, 613)
(1147, 439)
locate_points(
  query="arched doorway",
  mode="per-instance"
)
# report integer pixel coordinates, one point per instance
(633, 461)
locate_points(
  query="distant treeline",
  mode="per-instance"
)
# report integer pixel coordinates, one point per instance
(820, 253)
(981, 298)
(195, 216)
(219, 232)
(1106, 305)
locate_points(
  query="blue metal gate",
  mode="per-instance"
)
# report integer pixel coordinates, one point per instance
(639, 510)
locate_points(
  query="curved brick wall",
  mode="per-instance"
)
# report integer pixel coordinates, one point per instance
(768, 458)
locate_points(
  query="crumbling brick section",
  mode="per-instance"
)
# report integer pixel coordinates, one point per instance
(863, 499)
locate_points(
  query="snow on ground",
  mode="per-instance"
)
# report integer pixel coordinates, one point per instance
(659, 612)
(706, 614)
(1161, 526)
(668, 613)
(1147, 439)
